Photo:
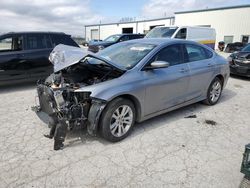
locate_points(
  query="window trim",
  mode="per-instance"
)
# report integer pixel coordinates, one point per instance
(163, 47)
(198, 46)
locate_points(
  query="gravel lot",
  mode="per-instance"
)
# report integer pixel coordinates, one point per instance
(166, 151)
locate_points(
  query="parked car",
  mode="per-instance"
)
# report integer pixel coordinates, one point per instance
(234, 47)
(245, 168)
(24, 55)
(203, 35)
(130, 82)
(240, 62)
(99, 45)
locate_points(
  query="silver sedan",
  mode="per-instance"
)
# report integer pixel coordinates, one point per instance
(129, 82)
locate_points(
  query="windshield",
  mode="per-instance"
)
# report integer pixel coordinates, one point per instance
(160, 32)
(125, 55)
(112, 38)
(246, 48)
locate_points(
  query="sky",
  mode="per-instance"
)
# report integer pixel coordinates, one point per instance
(70, 16)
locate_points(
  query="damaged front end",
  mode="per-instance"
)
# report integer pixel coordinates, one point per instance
(62, 105)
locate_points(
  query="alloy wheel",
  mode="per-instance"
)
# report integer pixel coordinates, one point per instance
(215, 91)
(121, 120)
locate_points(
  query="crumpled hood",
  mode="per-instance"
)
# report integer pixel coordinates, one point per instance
(245, 55)
(64, 56)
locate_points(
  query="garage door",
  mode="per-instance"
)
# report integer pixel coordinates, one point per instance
(94, 34)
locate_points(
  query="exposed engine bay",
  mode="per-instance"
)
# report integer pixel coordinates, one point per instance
(59, 99)
(60, 89)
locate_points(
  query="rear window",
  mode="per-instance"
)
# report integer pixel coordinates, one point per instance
(37, 41)
(63, 39)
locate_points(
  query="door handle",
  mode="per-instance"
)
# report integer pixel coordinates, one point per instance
(22, 61)
(1, 70)
(209, 64)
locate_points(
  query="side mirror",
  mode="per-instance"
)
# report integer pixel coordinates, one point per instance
(157, 65)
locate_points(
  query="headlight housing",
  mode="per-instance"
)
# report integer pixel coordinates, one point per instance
(230, 60)
(246, 61)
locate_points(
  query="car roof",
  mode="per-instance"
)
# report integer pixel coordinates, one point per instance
(123, 34)
(35, 32)
(155, 41)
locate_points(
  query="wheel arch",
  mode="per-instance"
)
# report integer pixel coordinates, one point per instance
(221, 77)
(135, 102)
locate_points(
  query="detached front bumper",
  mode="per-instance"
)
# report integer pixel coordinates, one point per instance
(240, 70)
(52, 107)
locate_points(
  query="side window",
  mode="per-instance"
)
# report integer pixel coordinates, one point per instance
(182, 34)
(11, 44)
(197, 53)
(48, 41)
(131, 37)
(124, 38)
(37, 41)
(171, 54)
(62, 39)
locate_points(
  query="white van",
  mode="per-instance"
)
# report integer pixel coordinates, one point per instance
(203, 35)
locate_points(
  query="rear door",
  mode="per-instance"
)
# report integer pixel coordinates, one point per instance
(37, 49)
(201, 69)
(12, 67)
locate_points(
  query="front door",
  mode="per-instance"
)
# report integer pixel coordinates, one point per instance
(166, 87)
(12, 68)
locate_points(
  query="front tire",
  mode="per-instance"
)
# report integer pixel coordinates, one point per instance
(214, 92)
(117, 119)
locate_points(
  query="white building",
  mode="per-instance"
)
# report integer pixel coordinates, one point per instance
(102, 31)
(232, 24)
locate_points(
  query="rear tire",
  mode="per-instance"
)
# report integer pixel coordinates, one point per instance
(214, 92)
(117, 120)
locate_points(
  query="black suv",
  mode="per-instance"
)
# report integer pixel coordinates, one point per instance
(24, 55)
(99, 45)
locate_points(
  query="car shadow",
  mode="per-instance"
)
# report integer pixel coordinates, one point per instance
(190, 111)
(240, 77)
(79, 135)
(17, 87)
